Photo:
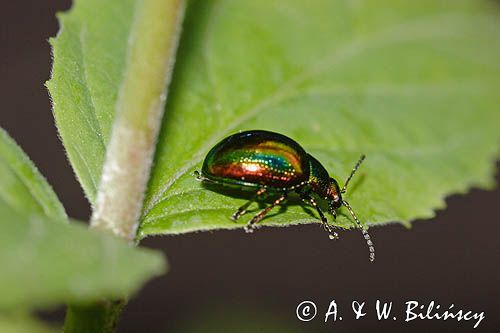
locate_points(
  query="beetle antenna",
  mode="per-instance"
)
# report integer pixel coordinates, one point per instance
(367, 237)
(361, 159)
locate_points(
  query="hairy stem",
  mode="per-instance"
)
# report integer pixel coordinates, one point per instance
(139, 110)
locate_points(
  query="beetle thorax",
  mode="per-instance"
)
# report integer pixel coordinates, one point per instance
(333, 194)
(321, 183)
(327, 189)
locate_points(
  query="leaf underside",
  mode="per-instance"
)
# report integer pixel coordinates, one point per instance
(413, 85)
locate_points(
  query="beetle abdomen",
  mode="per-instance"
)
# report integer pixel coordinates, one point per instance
(257, 158)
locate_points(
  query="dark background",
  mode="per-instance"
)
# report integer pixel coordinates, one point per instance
(224, 275)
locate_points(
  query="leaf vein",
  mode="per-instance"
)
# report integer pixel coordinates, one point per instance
(93, 121)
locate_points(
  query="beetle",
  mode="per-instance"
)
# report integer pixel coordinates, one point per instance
(274, 164)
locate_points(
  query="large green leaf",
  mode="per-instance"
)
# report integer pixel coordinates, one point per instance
(44, 262)
(411, 84)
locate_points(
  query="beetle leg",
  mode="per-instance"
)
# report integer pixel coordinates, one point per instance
(257, 218)
(202, 178)
(308, 199)
(243, 209)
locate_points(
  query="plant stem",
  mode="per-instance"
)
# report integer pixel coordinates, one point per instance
(139, 110)
(98, 317)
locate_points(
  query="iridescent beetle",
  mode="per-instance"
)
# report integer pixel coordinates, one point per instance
(274, 164)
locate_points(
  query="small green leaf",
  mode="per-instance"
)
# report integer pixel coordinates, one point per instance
(21, 322)
(229, 318)
(410, 84)
(46, 263)
(22, 187)
(89, 64)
